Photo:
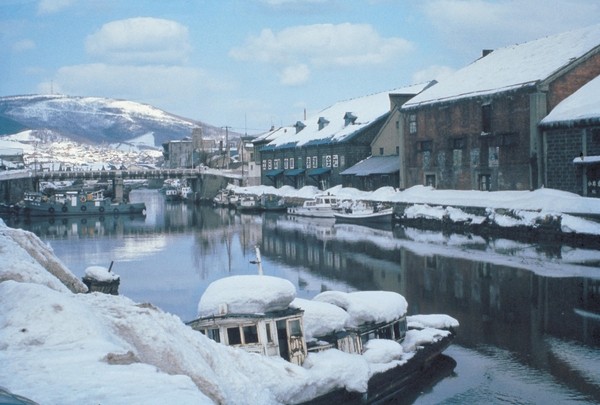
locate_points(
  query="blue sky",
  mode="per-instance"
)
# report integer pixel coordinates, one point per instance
(250, 64)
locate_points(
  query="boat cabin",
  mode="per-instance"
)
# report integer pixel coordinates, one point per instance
(277, 333)
(253, 313)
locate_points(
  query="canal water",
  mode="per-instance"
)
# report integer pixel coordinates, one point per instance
(529, 314)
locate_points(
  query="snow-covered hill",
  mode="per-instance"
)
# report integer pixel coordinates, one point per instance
(95, 120)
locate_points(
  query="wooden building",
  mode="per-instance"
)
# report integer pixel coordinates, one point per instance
(478, 128)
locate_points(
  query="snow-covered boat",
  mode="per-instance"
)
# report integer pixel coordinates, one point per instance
(322, 206)
(261, 314)
(363, 214)
(76, 203)
(248, 203)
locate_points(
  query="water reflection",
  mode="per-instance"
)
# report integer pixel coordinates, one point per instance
(526, 310)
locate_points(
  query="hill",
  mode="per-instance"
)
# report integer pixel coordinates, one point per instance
(95, 120)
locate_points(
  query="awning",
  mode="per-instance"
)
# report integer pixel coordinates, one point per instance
(374, 165)
(587, 160)
(319, 172)
(293, 172)
(274, 173)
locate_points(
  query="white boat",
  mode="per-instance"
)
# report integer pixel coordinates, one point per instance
(363, 214)
(322, 206)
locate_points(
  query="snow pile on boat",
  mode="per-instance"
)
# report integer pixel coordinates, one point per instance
(100, 273)
(321, 318)
(366, 306)
(249, 294)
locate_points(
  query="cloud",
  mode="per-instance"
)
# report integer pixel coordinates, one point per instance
(321, 45)
(23, 45)
(53, 6)
(432, 72)
(294, 75)
(141, 40)
(472, 25)
(175, 86)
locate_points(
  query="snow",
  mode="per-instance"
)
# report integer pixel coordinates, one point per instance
(247, 294)
(584, 104)
(528, 207)
(100, 273)
(439, 321)
(367, 109)
(321, 318)
(366, 306)
(60, 346)
(512, 67)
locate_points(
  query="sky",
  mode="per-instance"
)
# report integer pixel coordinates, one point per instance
(252, 64)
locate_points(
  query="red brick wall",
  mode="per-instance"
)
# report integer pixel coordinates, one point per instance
(570, 82)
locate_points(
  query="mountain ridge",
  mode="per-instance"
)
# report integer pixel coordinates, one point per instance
(96, 120)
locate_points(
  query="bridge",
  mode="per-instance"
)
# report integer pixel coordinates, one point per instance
(205, 183)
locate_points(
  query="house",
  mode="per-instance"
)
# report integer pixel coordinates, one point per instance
(382, 167)
(245, 149)
(571, 140)
(478, 128)
(317, 150)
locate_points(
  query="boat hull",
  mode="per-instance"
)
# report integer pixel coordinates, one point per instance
(82, 208)
(380, 217)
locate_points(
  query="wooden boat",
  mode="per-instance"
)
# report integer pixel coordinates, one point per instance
(363, 214)
(322, 206)
(76, 203)
(248, 203)
(272, 202)
(261, 314)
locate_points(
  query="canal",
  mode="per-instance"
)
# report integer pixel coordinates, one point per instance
(529, 314)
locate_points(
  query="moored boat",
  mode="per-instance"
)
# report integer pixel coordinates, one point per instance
(322, 206)
(76, 203)
(261, 314)
(363, 214)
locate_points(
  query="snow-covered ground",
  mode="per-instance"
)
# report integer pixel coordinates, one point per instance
(528, 206)
(59, 346)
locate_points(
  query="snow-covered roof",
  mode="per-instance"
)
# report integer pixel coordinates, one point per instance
(581, 107)
(274, 134)
(512, 67)
(249, 294)
(332, 124)
(321, 318)
(366, 306)
(374, 165)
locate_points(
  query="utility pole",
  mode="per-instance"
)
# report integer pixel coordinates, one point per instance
(227, 146)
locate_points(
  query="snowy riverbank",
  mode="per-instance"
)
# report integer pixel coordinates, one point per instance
(58, 345)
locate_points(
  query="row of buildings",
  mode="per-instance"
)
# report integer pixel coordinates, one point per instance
(517, 118)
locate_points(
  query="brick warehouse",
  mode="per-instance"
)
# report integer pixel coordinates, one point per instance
(478, 128)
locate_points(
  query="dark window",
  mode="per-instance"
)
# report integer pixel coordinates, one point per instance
(430, 180)
(250, 334)
(381, 151)
(510, 139)
(458, 143)
(234, 336)
(486, 118)
(425, 146)
(269, 337)
(397, 334)
(397, 150)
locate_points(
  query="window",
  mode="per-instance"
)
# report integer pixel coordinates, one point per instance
(269, 164)
(397, 150)
(234, 336)
(269, 337)
(484, 182)
(335, 160)
(264, 165)
(509, 139)
(214, 334)
(294, 327)
(458, 143)
(276, 164)
(308, 166)
(315, 162)
(323, 160)
(285, 164)
(328, 161)
(292, 163)
(250, 334)
(412, 123)
(342, 161)
(251, 156)
(381, 151)
(430, 180)
(425, 146)
(486, 118)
